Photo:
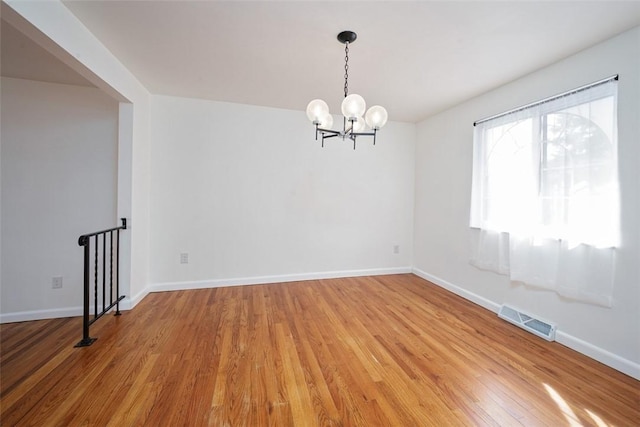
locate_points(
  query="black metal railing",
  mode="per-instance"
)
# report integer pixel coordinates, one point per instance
(107, 296)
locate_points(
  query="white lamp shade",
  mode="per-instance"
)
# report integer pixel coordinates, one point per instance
(353, 106)
(326, 122)
(317, 110)
(376, 117)
(358, 125)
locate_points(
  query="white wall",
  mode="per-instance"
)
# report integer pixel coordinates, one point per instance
(54, 27)
(59, 165)
(443, 188)
(250, 195)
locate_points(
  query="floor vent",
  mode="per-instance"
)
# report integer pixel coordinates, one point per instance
(538, 327)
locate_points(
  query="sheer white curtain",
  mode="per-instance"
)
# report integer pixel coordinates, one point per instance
(545, 198)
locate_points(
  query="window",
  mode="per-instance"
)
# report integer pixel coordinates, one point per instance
(550, 170)
(548, 173)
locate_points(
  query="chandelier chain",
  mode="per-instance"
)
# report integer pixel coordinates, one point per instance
(346, 69)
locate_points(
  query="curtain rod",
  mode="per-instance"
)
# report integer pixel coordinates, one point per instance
(551, 98)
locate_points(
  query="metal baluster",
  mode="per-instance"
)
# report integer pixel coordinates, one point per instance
(104, 270)
(86, 339)
(111, 267)
(124, 223)
(95, 280)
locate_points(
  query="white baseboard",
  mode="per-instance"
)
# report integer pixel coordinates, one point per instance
(258, 280)
(130, 302)
(54, 313)
(601, 355)
(25, 316)
(468, 295)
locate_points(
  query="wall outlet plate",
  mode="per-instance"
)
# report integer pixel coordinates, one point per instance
(56, 282)
(184, 258)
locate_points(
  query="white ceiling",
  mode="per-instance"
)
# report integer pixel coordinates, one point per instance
(415, 58)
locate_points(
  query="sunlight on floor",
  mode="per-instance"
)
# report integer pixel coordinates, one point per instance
(564, 406)
(568, 413)
(597, 419)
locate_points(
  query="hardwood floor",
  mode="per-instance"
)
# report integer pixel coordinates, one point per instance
(386, 350)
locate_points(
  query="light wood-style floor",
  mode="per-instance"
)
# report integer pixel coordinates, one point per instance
(387, 350)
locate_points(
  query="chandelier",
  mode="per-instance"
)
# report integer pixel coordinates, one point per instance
(355, 122)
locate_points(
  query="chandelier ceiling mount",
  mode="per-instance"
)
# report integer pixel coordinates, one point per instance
(347, 37)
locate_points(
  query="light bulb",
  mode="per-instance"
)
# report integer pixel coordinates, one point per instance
(353, 106)
(376, 117)
(326, 122)
(358, 125)
(317, 109)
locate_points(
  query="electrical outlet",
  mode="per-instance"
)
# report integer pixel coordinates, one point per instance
(184, 258)
(56, 283)
(396, 249)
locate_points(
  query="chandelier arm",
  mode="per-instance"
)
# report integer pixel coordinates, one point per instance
(349, 131)
(323, 131)
(332, 132)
